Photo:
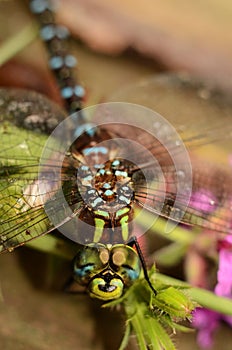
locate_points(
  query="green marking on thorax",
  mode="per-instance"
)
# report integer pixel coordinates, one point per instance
(99, 226)
(121, 212)
(124, 226)
(103, 213)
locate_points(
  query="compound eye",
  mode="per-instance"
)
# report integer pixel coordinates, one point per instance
(125, 262)
(89, 261)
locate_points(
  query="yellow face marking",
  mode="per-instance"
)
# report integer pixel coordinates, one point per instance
(115, 293)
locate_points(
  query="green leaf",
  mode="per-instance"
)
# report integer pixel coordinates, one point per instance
(151, 317)
(126, 336)
(170, 255)
(201, 296)
(17, 43)
(174, 302)
(52, 245)
(178, 233)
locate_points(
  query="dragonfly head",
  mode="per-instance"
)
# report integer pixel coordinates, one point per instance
(105, 270)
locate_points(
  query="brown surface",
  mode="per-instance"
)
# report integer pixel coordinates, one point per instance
(35, 316)
(183, 35)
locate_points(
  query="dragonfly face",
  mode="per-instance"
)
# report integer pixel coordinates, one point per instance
(106, 270)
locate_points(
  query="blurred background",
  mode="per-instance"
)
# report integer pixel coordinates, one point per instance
(117, 43)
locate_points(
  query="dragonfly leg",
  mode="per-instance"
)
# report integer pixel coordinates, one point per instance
(134, 242)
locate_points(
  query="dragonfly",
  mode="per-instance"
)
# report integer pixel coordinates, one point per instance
(102, 166)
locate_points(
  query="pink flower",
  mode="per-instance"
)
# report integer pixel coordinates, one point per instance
(204, 200)
(224, 275)
(207, 321)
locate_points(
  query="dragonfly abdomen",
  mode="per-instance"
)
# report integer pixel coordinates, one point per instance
(61, 62)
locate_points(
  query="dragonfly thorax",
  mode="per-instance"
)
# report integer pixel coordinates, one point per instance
(107, 193)
(105, 188)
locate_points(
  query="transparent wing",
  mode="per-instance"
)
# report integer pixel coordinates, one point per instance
(202, 116)
(25, 119)
(209, 205)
